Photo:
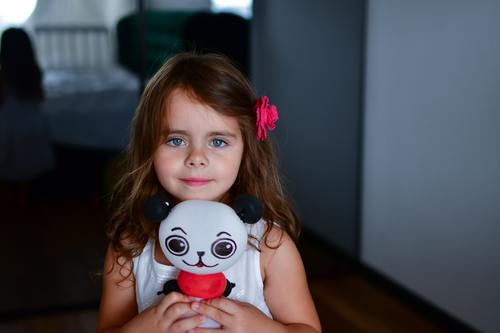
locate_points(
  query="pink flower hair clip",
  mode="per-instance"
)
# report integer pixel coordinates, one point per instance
(267, 115)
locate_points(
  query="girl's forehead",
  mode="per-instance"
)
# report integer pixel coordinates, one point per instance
(184, 112)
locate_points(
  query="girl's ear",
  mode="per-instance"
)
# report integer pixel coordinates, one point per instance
(248, 208)
(157, 208)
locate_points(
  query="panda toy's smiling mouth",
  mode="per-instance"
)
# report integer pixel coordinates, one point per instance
(200, 264)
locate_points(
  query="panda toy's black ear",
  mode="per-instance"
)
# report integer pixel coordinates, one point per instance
(248, 208)
(157, 208)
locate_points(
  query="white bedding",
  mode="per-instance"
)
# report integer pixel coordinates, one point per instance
(91, 109)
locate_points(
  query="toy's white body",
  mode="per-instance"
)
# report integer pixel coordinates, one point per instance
(202, 238)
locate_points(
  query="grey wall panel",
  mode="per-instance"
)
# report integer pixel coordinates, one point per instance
(308, 59)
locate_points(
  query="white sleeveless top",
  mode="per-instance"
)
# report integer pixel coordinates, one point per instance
(150, 275)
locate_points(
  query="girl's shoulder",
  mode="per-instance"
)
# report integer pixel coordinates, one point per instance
(274, 240)
(270, 235)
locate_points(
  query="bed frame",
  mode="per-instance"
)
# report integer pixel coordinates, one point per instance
(73, 47)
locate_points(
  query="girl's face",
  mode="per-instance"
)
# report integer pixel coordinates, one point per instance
(201, 150)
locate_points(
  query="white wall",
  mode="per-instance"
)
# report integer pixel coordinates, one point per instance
(76, 12)
(431, 213)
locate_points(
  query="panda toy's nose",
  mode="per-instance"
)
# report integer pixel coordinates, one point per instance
(201, 253)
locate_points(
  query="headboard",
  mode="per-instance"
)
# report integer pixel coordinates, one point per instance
(70, 47)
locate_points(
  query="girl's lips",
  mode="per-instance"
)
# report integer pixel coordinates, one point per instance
(195, 181)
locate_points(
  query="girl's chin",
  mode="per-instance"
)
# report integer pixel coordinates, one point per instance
(197, 194)
(198, 197)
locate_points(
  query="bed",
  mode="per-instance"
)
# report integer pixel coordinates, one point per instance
(90, 99)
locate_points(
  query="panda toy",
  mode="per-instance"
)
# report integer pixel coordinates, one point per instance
(202, 239)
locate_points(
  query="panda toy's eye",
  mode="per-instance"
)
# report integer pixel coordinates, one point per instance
(177, 245)
(223, 248)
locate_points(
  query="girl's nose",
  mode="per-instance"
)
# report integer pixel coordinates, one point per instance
(196, 158)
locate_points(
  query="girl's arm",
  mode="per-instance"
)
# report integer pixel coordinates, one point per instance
(285, 289)
(118, 309)
(118, 305)
(285, 285)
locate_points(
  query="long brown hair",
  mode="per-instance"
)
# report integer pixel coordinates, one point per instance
(215, 81)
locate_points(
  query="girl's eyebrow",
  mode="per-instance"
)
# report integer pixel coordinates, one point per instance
(227, 134)
(176, 131)
(214, 133)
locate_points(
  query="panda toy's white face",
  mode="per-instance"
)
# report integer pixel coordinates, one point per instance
(202, 237)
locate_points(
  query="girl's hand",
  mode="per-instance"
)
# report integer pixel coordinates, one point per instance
(165, 317)
(234, 316)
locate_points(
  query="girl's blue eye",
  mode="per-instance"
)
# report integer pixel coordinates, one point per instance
(218, 143)
(175, 142)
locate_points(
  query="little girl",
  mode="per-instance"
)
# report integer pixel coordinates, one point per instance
(201, 133)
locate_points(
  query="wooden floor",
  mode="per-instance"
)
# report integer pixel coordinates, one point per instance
(74, 322)
(347, 300)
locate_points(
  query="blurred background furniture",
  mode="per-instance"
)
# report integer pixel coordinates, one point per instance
(170, 32)
(90, 100)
